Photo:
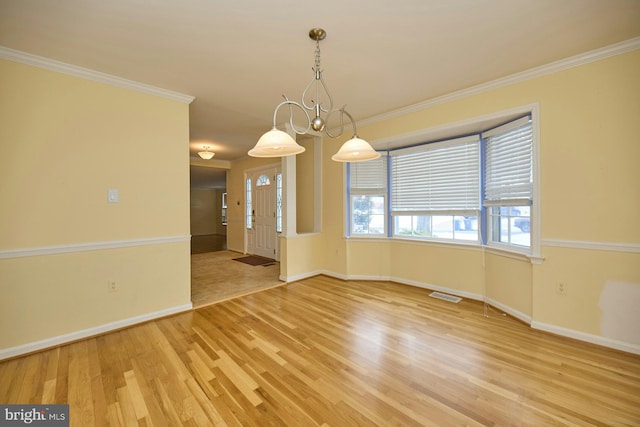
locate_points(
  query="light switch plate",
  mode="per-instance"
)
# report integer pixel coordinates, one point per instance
(112, 195)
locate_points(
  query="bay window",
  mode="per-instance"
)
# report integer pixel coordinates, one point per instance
(508, 183)
(471, 189)
(367, 197)
(435, 190)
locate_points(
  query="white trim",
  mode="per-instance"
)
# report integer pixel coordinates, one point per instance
(511, 311)
(595, 246)
(506, 253)
(444, 289)
(240, 251)
(301, 235)
(590, 338)
(452, 129)
(462, 245)
(451, 291)
(92, 246)
(543, 70)
(557, 330)
(85, 73)
(298, 277)
(90, 332)
(535, 217)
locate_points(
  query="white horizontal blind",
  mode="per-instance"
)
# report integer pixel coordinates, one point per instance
(509, 167)
(437, 177)
(369, 177)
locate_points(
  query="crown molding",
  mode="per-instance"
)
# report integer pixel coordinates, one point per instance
(543, 70)
(85, 73)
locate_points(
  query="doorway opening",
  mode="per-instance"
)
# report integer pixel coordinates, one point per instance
(263, 215)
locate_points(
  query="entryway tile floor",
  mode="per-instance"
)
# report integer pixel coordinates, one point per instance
(216, 277)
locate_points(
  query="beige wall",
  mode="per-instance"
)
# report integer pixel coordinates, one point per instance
(305, 202)
(206, 211)
(64, 141)
(589, 200)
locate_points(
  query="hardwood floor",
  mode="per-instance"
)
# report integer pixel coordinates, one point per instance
(216, 277)
(323, 352)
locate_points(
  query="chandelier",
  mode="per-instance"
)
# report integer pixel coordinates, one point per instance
(277, 143)
(206, 154)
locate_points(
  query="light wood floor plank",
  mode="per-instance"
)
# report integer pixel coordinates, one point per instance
(325, 352)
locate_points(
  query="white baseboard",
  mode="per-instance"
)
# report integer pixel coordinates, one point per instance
(511, 311)
(443, 289)
(86, 333)
(302, 276)
(590, 338)
(557, 330)
(236, 250)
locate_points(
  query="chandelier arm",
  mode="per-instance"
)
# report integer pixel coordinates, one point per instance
(353, 122)
(327, 131)
(292, 103)
(343, 112)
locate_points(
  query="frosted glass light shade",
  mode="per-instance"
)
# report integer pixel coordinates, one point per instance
(355, 150)
(207, 155)
(275, 143)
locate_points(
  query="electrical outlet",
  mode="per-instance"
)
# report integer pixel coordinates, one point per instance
(561, 289)
(111, 286)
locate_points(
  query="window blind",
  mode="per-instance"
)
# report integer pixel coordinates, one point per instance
(509, 174)
(437, 177)
(369, 177)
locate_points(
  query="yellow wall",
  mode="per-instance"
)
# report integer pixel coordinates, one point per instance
(588, 197)
(368, 259)
(64, 141)
(508, 282)
(305, 202)
(590, 151)
(588, 193)
(300, 256)
(49, 296)
(334, 248)
(588, 276)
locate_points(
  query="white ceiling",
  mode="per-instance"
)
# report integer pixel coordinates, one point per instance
(239, 57)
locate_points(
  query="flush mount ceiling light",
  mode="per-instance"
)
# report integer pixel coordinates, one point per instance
(277, 143)
(206, 154)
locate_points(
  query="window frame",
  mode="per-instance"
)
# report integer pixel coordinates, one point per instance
(381, 190)
(452, 130)
(279, 202)
(506, 199)
(248, 223)
(457, 160)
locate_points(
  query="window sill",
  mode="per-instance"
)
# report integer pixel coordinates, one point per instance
(500, 251)
(520, 256)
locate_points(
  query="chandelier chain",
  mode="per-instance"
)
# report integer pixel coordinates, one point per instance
(317, 64)
(277, 143)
